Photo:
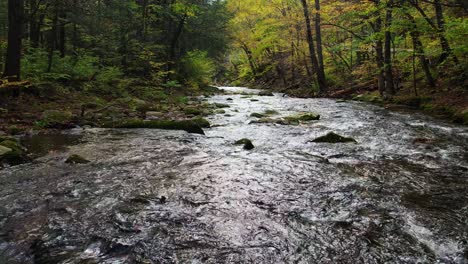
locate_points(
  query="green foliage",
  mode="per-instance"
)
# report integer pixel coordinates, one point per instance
(197, 68)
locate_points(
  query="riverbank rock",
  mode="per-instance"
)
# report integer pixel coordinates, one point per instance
(334, 138)
(76, 159)
(248, 145)
(11, 151)
(265, 93)
(191, 126)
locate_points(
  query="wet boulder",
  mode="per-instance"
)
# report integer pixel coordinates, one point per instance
(191, 126)
(11, 152)
(265, 93)
(218, 105)
(257, 115)
(333, 138)
(302, 117)
(248, 145)
(76, 159)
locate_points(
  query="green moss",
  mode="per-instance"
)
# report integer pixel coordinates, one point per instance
(220, 111)
(191, 126)
(333, 138)
(203, 123)
(76, 159)
(248, 145)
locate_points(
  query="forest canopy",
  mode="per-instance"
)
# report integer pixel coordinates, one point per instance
(320, 48)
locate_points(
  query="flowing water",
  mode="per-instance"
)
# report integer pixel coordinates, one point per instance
(400, 195)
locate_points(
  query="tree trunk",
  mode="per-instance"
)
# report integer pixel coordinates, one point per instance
(389, 86)
(380, 56)
(446, 50)
(419, 51)
(15, 31)
(247, 51)
(62, 35)
(318, 33)
(34, 25)
(313, 56)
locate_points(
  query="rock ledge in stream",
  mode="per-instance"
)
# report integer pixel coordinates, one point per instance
(76, 159)
(288, 120)
(333, 138)
(248, 145)
(191, 126)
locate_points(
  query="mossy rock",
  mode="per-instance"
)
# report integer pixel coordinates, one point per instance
(193, 111)
(220, 111)
(55, 118)
(270, 112)
(76, 159)
(334, 138)
(264, 114)
(265, 93)
(218, 105)
(257, 115)
(302, 117)
(191, 126)
(203, 123)
(13, 153)
(254, 100)
(229, 99)
(248, 145)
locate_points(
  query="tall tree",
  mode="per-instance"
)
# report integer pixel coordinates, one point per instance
(389, 85)
(313, 55)
(15, 31)
(318, 33)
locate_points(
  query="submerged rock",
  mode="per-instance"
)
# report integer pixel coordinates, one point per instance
(248, 145)
(334, 138)
(191, 126)
(76, 159)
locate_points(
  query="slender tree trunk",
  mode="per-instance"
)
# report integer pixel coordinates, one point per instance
(389, 86)
(52, 40)
(15, 31)
(419, 51)
(34, 26)
(379, 53)
(318, 33)
(247, 51)
(62, 33)
(446, 50)
(313, 56)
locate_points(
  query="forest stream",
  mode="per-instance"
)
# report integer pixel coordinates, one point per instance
(398, 195)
